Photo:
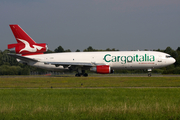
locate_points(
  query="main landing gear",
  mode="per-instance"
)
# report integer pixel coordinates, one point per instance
(81, 73)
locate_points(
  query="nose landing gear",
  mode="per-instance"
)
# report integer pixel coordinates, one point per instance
(149, 72)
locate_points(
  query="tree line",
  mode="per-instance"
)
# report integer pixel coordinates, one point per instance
(10, 66)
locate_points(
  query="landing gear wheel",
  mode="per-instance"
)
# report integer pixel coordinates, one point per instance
(77, 75)
(149, 74)
(85, 74)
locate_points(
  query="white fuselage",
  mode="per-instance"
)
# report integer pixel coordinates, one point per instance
(116, 60)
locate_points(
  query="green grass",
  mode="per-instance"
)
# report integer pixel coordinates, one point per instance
(76, 82)
(98, 98)
(68, 104)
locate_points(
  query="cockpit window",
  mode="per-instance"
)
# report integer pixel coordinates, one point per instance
(168, 56)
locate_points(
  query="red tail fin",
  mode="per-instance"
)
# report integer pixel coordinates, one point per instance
(25, 44)
(19, 33)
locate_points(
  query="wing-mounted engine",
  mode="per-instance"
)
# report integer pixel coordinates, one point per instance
(102, 69)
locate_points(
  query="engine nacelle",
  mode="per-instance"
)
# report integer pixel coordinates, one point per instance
(102, 69)
(25, 49)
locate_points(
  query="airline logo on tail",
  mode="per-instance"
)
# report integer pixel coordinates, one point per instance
(25, 44)
(28, 47)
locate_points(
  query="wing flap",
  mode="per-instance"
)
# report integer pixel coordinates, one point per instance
(70, 63)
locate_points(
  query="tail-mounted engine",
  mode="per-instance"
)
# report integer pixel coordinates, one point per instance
(102, 69)
(25, 48)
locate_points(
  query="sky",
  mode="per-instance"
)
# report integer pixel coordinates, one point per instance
(78, 24)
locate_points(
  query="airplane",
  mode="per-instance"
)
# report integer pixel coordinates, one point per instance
(31, 53)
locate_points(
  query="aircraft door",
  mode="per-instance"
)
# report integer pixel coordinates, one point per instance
(159, 61)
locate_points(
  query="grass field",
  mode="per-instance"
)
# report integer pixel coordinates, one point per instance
(100, 98)
(78, 82)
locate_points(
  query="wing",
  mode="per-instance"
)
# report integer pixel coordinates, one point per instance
(22, 58)
(71, 63)
(74, 65)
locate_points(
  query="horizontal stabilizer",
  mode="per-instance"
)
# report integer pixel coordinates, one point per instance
(10, 46)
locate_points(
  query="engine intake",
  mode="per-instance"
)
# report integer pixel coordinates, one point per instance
(24, 49)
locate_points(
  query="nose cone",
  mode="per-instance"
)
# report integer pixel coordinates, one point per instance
(172, 60)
